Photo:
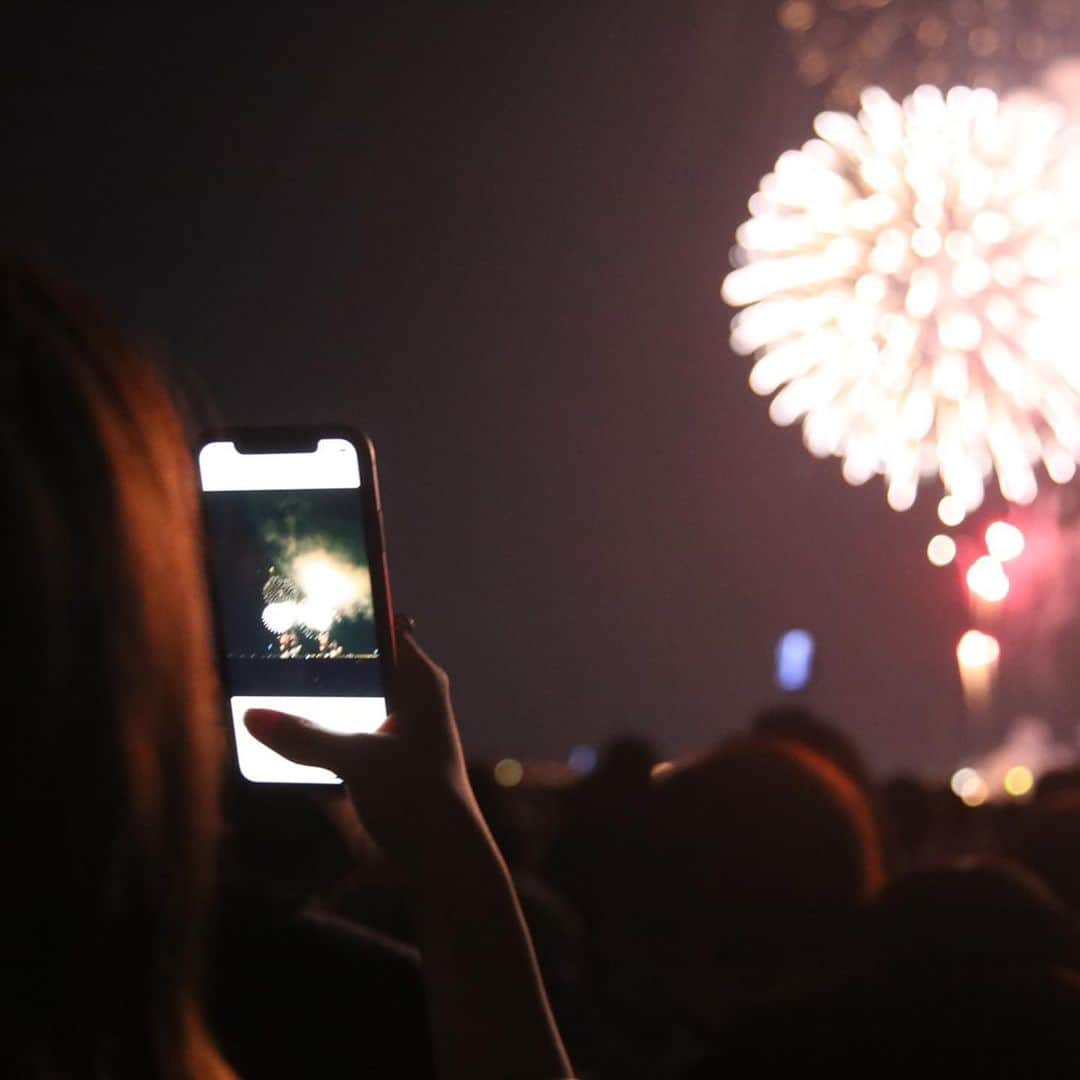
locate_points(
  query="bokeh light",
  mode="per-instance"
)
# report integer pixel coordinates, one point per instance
(941, 550)
(975, 793)
(977, 650)
(910, 281)
(962, 779)
(794, 660)
(509, 772)
(977, 655)
(1019, 781)
(987, 579)
(582, 759)
(951, 511)
(969, 786)
(1004, 541)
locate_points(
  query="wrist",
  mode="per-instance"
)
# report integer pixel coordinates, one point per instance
(457, 850)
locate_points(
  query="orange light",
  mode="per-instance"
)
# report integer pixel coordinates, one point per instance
(508, 772)
(962, 779)
(969, 787)
(977, 650)
(1019, 781)
(977, 655)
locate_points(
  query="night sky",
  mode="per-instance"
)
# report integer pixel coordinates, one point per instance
(493, 236)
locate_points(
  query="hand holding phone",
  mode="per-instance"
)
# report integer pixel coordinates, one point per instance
(409, 781)
(490, 1015)
(299, 582)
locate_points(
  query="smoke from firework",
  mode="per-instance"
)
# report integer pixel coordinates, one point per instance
(329, 581)
(1044, 598)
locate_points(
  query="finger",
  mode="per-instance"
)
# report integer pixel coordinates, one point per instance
(421, 692)
(414, 663)
(301, 741)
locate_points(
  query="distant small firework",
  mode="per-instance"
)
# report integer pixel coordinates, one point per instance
(911, 286)
(843, 46)
(977, 655)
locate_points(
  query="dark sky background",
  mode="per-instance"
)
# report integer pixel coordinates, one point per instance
(493, 236)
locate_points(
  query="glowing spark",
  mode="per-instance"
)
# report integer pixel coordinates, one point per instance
(977, 650)
(1004, 541)
(941, 550)
(951, 511)
(911, 286)
(987, 580)
(977, 655)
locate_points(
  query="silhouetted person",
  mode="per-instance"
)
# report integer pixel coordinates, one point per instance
(1056, 782)
(760, 852)
(759, 855)
(802, 725)
(595, 861)
(595, 856)
(962, 968)
(592, 858)
(338, 997)
(110, 792)
(553, 921)
(906, 810)
(1047, 841)
(110, 799)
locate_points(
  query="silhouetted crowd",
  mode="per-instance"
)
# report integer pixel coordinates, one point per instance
(763, 902)
(760, 907)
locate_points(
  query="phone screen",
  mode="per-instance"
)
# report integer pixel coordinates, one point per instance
(293, 590)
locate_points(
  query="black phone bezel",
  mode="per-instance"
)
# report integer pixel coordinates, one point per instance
(286, 439)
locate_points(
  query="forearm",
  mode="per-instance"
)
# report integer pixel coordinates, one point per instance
(489, 1012)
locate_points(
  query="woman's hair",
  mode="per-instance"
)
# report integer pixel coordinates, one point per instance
(112, 734)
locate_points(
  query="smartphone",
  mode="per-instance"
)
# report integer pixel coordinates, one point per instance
(299, 584)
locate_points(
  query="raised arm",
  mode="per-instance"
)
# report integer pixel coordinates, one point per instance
(489, 1013)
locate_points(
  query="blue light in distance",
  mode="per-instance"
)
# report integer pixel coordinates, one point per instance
(794, 660)
(583, 759)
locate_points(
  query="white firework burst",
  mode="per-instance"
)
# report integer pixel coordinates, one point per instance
(911, 286)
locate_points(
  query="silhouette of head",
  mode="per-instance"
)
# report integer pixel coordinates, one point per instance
(801, 725)
(761, 840)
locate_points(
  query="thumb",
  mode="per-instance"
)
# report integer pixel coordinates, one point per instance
(297, 739)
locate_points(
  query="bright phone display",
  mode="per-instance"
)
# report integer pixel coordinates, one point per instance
(299, 586)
